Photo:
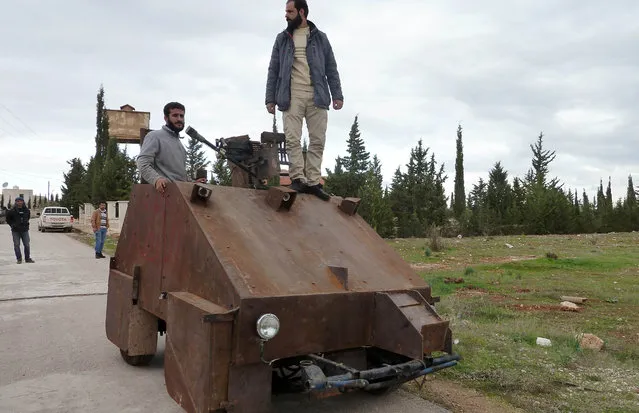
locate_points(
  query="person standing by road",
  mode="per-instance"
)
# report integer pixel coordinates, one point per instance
(100, 225)
(162, 156)
(302, 76)
(18, 219)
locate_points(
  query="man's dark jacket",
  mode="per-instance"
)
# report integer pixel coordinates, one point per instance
(322, 64)
(18, 219)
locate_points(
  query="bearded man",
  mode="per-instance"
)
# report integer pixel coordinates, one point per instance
(302, 77)
(162, 157)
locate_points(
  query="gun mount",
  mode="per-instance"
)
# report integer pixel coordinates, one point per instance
(266, 292)
(258, 159)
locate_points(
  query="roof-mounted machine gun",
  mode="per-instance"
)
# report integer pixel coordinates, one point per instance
(258, 159)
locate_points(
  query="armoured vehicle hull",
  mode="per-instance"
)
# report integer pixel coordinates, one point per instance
(262, 292)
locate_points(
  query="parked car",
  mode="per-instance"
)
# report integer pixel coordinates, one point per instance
(55, 218)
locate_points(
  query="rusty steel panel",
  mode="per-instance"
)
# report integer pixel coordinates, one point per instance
(189, 263)
(393, 331)
(128, 326)
(264, 252)
(118, 307)
(141, 244)
(194, 379)
(308, 324)
(250, 388)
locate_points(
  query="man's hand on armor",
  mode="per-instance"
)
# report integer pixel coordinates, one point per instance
(160, 185)
(270, 108)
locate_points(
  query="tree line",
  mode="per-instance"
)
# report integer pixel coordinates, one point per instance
(415, 202)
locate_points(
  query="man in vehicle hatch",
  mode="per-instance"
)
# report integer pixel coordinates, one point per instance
(18, 219)
(162, 156)
(302, 77)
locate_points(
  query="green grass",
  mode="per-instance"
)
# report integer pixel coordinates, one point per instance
(110, 243)
(509, 298)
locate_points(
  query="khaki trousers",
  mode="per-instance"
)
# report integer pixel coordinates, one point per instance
(302, 107)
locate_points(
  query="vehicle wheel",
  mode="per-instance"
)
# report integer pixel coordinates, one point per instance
(141, 360)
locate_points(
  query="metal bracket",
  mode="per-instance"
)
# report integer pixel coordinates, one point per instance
(200, 193)
(280, 197)
(349, 205)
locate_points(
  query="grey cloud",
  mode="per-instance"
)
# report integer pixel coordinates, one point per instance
(505, 70)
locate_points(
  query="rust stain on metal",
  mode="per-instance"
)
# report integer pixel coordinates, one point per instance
(340, 274)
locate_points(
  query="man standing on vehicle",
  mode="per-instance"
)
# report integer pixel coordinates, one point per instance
(301, 72)
(162, 156)
(18, 219)
(100, 225)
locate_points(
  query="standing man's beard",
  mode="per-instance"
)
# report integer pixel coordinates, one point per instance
(174, 127)
(295, 23)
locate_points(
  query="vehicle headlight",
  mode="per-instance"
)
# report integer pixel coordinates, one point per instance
(268, 325)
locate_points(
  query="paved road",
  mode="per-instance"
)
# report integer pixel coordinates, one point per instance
(54, 355)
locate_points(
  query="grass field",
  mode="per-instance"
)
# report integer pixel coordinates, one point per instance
(510, 295)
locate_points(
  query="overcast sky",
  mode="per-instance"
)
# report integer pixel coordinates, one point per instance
(506, 70)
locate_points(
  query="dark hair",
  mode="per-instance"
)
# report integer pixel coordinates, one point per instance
(172, 105)
(300, 5)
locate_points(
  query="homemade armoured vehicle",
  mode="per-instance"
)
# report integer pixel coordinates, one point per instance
(263, 292)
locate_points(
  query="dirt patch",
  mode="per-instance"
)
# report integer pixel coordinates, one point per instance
(496, 298)
(457, 398)
(471, 291)
(629, 337)
(521, 290)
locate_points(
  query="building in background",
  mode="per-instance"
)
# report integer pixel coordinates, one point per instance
(10, 194)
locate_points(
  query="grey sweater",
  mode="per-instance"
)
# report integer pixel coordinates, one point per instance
(162, 156)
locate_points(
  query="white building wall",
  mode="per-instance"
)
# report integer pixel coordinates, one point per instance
(27, 194)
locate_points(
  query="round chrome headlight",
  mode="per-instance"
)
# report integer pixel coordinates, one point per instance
(268, 325)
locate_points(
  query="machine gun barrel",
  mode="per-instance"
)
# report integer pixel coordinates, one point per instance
(197, 136)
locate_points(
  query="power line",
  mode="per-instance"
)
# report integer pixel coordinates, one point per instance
(20, 120)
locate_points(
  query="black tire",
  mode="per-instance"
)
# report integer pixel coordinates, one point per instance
(142, 360)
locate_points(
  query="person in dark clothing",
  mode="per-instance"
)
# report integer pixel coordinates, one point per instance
(18, 219)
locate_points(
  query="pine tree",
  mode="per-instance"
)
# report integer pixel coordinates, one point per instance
(221, 174)
(349, 174)
(118, 176)
(460, 191)
(73, 190)
(195, 157)
(541, 159)
(1, 200)
(498, 196)
(375, 207)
